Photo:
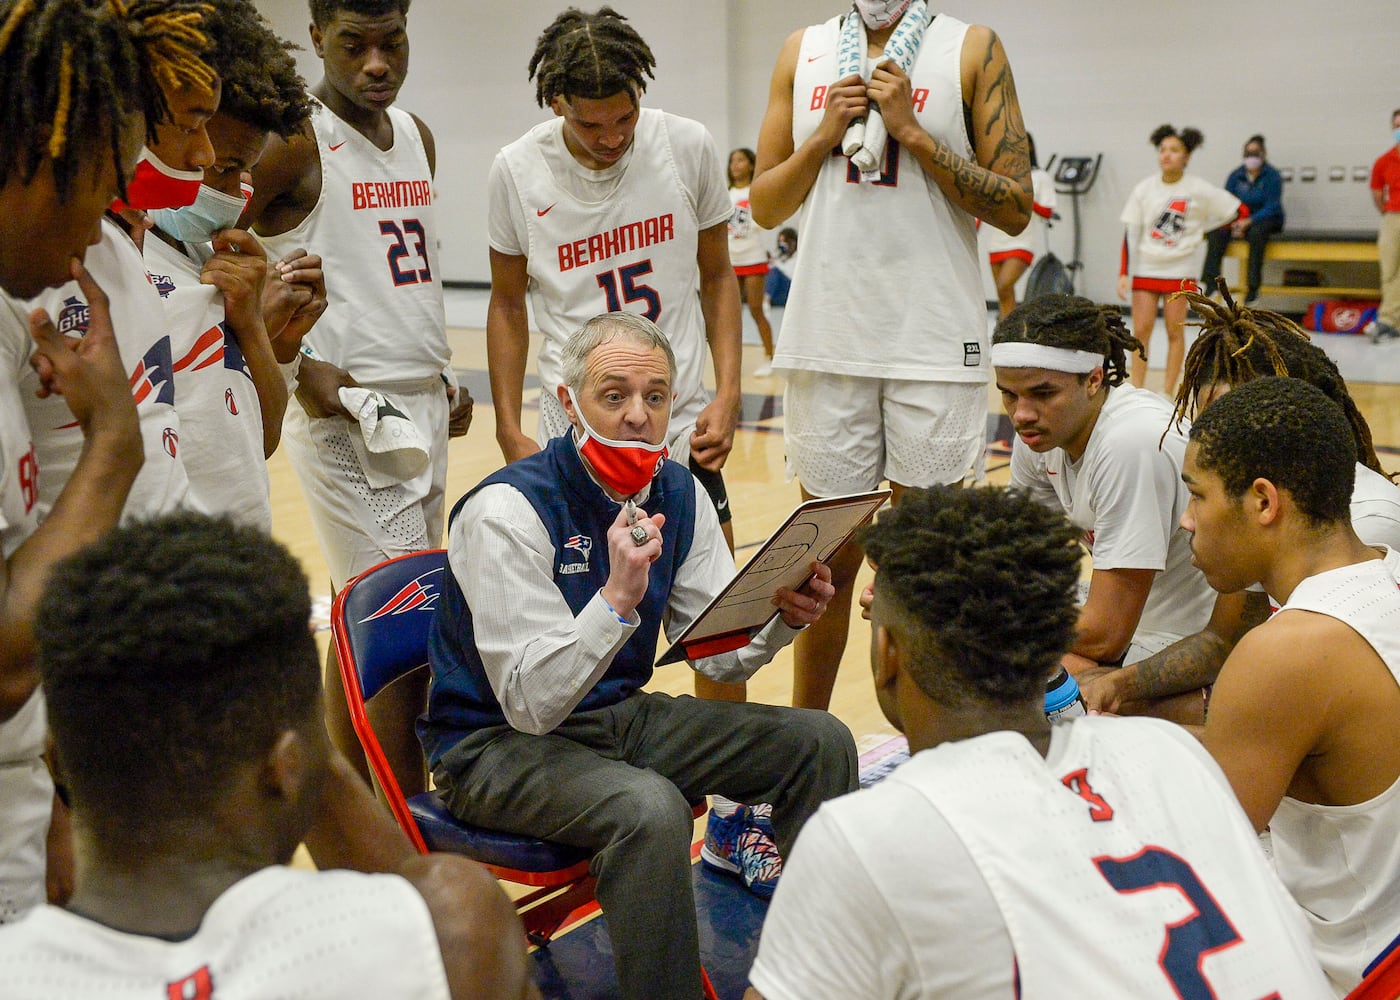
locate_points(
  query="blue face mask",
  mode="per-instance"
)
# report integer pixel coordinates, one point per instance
(212, 210)
(1397, 136)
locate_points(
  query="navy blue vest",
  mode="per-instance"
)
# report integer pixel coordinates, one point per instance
(577, 515)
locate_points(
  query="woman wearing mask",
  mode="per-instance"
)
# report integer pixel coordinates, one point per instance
(1256, 183)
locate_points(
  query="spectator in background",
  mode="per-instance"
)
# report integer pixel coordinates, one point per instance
(746, 251)
(781, 267)
(1010, 256)
(1166, 219)
(1259, 186)
(1385, 189)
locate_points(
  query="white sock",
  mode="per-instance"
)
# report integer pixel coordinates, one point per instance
(723, 806)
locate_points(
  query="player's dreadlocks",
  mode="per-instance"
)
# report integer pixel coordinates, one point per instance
(1238, 344)
(981, 585)
(73, 71)
(589, 55)
(261, 86)
(1074, 323)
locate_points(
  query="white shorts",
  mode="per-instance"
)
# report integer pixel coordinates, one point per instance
(26, 806)
(554, 421)
(359, 526)
(847, 433)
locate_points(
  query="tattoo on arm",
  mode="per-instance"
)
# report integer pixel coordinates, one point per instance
(996, 184)
(1185, 665)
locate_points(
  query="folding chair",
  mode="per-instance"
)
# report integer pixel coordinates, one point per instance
(379, 623)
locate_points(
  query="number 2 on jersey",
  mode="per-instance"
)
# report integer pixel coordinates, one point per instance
(399, 251)
(1189, 941)
(626, 278)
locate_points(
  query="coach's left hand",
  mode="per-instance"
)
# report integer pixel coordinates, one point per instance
(803, 607)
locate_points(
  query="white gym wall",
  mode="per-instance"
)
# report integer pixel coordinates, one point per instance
(1319, 84)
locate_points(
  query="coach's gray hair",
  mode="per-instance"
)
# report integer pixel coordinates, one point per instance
(603, 328)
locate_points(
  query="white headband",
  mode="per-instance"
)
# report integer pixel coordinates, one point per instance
(1056, 359)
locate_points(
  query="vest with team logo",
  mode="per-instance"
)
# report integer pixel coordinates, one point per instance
(577, 515)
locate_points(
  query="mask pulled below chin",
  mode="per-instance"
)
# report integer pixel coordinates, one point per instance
(158, 185)
(625, 467)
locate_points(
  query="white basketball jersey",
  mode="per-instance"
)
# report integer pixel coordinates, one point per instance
(375, 227)
(634, 250)
(19, 462)
(293, 935)
(1342, 863)
(1121, 863)
(26, 804)
(888, 284)
(1375, 508)
(138, 319)
(221, 441)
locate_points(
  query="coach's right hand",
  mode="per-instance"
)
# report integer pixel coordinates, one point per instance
(629, 563)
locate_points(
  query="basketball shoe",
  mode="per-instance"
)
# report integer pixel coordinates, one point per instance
(742, 845)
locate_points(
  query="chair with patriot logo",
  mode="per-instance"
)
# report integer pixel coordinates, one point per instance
(379, 624)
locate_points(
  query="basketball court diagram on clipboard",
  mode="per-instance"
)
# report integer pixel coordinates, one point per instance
(813, 533)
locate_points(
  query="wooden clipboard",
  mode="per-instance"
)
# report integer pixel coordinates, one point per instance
(812, 533)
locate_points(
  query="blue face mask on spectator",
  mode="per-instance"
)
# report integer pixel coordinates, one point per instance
(1396, 133)
(212, 210)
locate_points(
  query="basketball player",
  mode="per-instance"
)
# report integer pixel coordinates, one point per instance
(69, 149)
(192, 631)
(1304, 714)
(1236, 345)
(1105, 454)
(1096, 858)
(631, 210)
(884, 341)
(359, 180)
(231, 395)
(167, 175)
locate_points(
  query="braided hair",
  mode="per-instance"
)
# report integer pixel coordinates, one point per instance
(1076, 324)
(72, 72)
(1238, 344)
(589, 55)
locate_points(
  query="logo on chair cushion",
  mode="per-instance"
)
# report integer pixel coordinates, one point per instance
(416, 595)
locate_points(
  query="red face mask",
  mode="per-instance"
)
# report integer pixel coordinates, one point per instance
(158, 185)
(625, 467)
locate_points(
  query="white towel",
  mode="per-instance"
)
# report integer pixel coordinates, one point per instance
(389, 445)
(866, 137)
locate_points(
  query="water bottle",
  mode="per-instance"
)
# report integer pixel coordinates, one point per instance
(1062, 698)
